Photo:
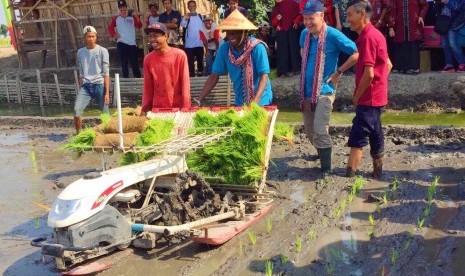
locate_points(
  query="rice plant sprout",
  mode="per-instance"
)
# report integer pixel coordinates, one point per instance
(312, 234)
(284, 259)
(269, 224)
(268, 268)
(394, 255)
(298, 244)
(252, 236)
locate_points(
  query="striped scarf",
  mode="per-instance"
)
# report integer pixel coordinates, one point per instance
(319, 68)
(245, 62)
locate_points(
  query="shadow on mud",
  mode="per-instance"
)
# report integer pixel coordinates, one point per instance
(21, 235)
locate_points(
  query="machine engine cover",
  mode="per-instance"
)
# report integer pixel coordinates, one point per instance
(107, 226)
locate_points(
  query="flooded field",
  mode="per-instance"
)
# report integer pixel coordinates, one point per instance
(411, 222)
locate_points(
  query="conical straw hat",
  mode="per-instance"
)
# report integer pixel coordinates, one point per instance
(236, 21)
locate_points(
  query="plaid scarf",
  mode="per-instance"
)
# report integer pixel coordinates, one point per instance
(245, 62)
(319, 68)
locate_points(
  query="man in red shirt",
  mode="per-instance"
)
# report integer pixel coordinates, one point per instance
(166, 73)
(371, 86)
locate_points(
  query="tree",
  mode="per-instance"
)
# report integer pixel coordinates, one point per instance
(3, 30)
(256, 9)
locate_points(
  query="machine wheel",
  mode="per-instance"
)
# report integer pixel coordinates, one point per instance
(123, 246)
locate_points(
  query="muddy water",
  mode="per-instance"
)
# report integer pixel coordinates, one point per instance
(28, 173)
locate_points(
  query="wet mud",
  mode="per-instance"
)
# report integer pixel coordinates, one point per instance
(393, 226)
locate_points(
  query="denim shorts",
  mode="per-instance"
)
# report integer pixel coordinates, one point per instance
(366, 127)
(88, 92)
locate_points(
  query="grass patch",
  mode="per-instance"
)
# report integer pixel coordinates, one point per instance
(4, 42)
(398, 118)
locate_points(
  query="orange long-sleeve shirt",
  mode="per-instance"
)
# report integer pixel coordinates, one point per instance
(166, 80)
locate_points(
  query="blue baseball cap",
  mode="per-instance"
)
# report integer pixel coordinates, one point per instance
(313, 6)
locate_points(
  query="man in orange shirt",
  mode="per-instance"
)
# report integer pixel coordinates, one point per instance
(166, 73)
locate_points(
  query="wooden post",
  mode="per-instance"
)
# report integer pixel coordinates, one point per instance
(7, 91)
(60, 99)
(39, 82)
(18, 89)
(56, 43)
(76, 81)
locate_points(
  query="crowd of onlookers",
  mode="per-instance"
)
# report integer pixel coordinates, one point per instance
(401, 22)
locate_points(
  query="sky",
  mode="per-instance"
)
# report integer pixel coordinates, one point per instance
(2, 15)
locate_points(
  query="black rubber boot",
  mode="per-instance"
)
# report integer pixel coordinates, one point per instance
(325, 159)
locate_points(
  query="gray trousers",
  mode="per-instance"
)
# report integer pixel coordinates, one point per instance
(316, 122)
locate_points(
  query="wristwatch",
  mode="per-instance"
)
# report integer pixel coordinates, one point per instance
(197, 101)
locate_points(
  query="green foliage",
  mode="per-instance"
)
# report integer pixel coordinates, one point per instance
(283, 132)
(256, 9)
(157, 130)
(239, 158)
(268, 268)
(3, 29)
(252, 237)
(83, 140)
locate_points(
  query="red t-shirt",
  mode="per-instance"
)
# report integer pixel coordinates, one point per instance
(372, 50)
(166, 80)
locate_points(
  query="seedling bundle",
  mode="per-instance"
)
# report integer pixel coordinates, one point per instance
(240, 158)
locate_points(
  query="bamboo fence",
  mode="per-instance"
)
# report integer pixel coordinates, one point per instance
(15, 91)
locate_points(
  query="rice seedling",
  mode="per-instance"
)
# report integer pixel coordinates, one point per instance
(282, 215)
(406, 244)
(378, 207)
(385, 197)
(436, 180)
(394, 255)
(358, 183)
(312, 234)
(252, 236)
(411, 233)
(342, 205)
(420, 223)
(298, 244)
(241, 248)
(269, 224)
(325, 221)
(268, 268)
(330, 267)
(371, 232)
(383, 272)
(83, 140)
(431, 192)
(36, 223)
(427, 211)
(336, 254)
(395, 184)
(350, 198)
(336, 213)
(371, 219)
(284, 133)
(239, 158)
(284, 259)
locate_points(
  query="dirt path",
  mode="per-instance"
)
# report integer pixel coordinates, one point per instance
(317, 227)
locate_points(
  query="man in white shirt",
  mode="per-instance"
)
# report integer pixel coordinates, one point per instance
(94, 76)
(192, 24)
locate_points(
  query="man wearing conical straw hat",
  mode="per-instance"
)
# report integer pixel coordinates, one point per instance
(245, 59)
